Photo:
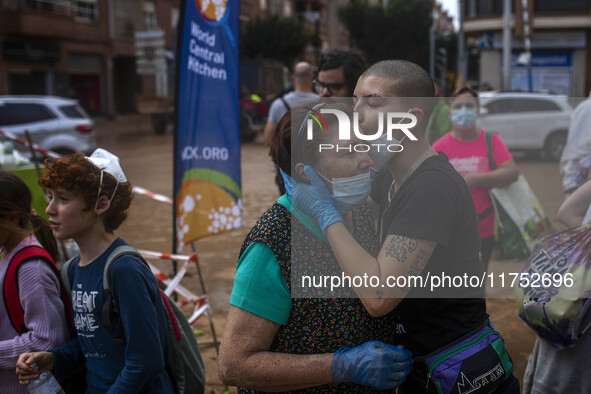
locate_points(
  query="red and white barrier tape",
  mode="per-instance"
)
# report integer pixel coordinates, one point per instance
(45, 152)
(22, 141)
(173, 285)
(166, 256)
(153, 196)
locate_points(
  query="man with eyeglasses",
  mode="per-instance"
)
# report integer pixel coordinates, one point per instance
(338, 72)
(303, 74)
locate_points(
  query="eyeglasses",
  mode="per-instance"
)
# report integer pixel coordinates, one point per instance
(464, 105)
(332, 88)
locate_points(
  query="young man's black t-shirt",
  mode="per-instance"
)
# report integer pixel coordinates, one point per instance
(434, 204)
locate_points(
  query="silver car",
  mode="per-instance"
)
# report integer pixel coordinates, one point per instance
(527, 121)
(55, 123)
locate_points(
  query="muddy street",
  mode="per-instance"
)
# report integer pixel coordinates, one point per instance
(146, 158)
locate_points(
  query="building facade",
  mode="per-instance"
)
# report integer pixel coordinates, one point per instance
(83, 49)
(560, 33)
(318, 16)
(88, 49)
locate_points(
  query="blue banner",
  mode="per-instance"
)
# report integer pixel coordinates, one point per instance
(207, 188)
(545, 59)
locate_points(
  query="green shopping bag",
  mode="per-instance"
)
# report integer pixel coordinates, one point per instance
(508, 238)
(519, 217)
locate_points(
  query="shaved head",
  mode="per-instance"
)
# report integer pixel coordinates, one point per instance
(303, 71)
(408, 79)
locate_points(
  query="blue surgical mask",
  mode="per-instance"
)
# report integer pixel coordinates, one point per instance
(464, 117)
(350, 192)
(286, 182)
(380, 156)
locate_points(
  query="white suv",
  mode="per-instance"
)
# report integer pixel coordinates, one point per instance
(55, 123)
(527, 121)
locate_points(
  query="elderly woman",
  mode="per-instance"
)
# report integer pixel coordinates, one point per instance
(273, 342)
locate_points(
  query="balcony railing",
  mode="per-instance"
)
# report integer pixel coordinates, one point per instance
(83, 10)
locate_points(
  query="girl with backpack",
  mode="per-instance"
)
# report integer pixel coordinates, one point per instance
(88, 200)
(32, 315)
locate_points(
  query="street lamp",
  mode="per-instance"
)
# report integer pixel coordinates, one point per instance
(461, 50)
(432, 45)
(506, 44)
(442, 66)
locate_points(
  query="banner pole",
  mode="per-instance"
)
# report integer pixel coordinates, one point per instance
(207, 178)
(209, 314)
(177, 54)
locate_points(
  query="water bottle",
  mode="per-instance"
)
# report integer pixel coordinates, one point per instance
(45, 383)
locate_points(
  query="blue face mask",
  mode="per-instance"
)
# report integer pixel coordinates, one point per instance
(464, 117)
(350, 192)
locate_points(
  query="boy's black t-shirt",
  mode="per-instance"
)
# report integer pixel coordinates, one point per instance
(435, 204)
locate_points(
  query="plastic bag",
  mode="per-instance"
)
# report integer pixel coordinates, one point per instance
(519, 219)
(554, 286)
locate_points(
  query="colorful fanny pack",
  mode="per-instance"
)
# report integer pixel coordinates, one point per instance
(476, 363)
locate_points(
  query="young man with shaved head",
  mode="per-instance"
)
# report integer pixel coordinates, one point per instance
(427, 225)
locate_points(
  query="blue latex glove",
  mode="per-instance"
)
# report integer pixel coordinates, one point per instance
(315, 199)
(374, 364)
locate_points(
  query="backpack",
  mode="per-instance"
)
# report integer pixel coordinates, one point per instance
(285, 104)
(75, 382)
(11, 291)
(188, 372)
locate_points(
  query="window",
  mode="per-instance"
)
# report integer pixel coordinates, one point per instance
(58, 7)
(483, 8)
(150, 20)
(4, 113)
(534, 105)
(22, 113)
(85, 10)
(553, 6)
(43, 5)
(517, 105)
(499, 106)
(174, 17)
(10, 4)
(470, 10)
(73, 111)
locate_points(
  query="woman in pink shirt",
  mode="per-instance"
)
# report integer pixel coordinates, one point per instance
(466, 148)
(38, 285)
